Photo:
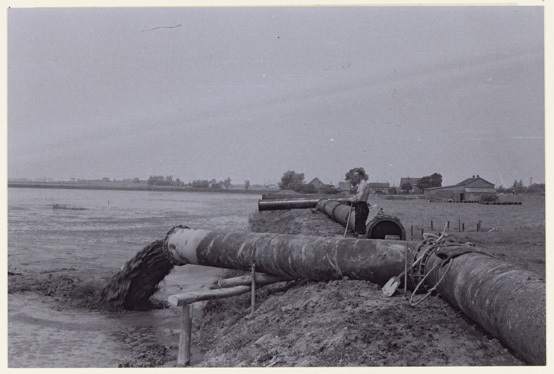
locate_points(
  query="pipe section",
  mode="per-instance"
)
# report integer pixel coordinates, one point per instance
(291, 204)
(508, 302)
(286, 204)
(379, 227)
(293, 256)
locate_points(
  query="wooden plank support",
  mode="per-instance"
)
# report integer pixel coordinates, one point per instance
(186, 300)
(193, 297)
(261, 278)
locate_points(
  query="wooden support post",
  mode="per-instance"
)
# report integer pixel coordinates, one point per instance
(183, 358)
(253, 289)
(448, 225)
(479, 226)
(406, 271)
(422, 231)
(431, 225)
(412, 232)
(185, 301)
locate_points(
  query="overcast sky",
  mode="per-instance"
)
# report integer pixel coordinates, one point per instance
(249, 93)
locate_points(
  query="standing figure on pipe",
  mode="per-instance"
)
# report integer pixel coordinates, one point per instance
(358, 177)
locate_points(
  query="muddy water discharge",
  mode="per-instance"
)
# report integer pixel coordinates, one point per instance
(132, 287)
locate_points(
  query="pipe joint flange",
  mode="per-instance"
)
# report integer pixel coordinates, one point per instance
(423, 252)
(166, 251)
(432, 244)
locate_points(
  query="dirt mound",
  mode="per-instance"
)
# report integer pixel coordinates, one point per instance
(150, 355)
(340, 323)
(298, 222)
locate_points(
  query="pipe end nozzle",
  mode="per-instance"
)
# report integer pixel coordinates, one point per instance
(167, 246)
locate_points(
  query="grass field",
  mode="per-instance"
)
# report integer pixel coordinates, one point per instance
(514, 233)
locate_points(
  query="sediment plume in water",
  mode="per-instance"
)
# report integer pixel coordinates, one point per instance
(131, 288)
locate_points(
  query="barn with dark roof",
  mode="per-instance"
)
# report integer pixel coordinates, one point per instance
(470, 189)
(317, 183)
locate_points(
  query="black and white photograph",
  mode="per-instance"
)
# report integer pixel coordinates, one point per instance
(255, 185)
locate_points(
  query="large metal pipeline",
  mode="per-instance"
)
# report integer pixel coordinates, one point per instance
(298, 256)
(291, 204)
(287, 204)
(380, 226)
(507, 302)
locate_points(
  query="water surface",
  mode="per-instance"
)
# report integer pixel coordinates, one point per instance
(93, 238)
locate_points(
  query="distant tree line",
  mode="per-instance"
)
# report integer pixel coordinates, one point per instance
(518, 187)
(214, 184)
(160, 180)
(429, 181)
(294, 181)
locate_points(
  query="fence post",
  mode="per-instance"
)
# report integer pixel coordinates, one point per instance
(183, 358)
(253, 289)
(406, 271)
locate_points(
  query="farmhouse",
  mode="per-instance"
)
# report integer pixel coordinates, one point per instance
(317, 183)
(378, 188)
(470, 189)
